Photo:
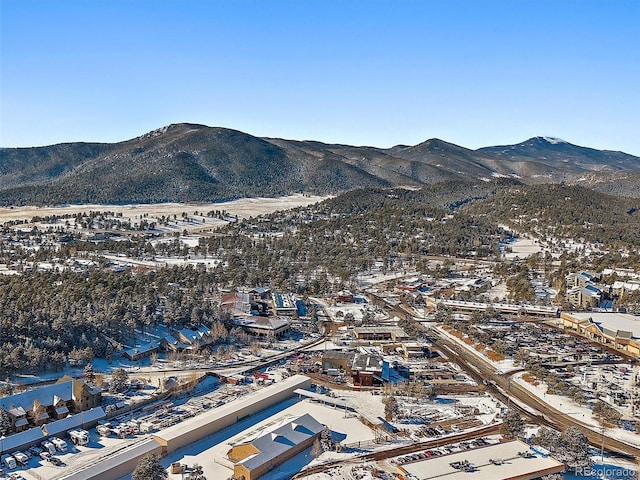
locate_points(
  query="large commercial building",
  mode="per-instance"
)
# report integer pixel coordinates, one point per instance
(616, 330)
(191, 430)
(507, 308)
(503, 461)
(254, 458)
(118, 465)
(395, 334)
(200, 426)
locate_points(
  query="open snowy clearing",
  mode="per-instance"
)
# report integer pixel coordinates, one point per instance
(522, 248)
(244, 207)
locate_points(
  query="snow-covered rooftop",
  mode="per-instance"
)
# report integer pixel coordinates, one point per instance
(508, 462)
(621, 322)
(282, 439)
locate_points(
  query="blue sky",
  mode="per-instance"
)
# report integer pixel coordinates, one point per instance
(379, 73)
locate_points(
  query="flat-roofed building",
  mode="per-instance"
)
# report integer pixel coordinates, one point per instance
(214, 420)
(509, 308)
(337, 359)
(117, 465)
(412, 350)
(396, 334)
(617, 330)
(284, 304)
(264, 325)
(502, 461)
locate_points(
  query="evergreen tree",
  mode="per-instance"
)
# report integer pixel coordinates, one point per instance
(574, 451)
(512, 425)
(119, 381)
(5, 423)
(391, 408)
(89, 374)
(149, 468)
(325, 439)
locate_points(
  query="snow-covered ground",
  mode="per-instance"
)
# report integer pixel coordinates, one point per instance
(243, 207)
(522, 248)
(499, 291)
(562, 403)
(347, 428)
(578, 412)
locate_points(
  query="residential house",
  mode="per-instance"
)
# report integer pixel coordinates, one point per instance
(187, 339)
(52, 402)
(136, 353)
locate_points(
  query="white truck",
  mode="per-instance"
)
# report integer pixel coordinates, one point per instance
(104, 429)
(9, 461)
(147, 427)
(60, 444)
(48, 447)
(79, 437)
(21, 458)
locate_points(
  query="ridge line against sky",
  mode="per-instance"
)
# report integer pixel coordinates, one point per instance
(378, 73)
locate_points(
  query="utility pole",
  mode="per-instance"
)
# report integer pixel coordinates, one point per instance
(602, 445)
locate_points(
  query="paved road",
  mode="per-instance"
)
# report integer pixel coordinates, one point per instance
(502, 386)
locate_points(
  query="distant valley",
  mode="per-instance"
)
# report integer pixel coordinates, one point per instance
(188, 162)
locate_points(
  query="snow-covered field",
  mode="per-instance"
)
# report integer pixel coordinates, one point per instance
(243, 207)
(522, 248)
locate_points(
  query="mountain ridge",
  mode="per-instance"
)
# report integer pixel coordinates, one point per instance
(194, 162)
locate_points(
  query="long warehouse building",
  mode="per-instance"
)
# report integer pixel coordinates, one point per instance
(191, 430)
(205, 424)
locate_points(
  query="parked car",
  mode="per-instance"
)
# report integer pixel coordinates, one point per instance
(21, 458)
(8, 461)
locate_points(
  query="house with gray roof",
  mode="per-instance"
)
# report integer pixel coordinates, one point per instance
(52, 402)
(255, 458)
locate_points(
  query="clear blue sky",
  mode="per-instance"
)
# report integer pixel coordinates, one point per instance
(379, 73)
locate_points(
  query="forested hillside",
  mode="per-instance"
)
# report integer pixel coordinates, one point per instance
(196, 163)
(46, 317)
(566, 212)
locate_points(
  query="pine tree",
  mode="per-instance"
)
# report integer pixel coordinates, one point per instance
(5, 423)
(325, 439)
(606, 413)
(149, 468)
(119, 381)
(575, 448)
(512, 425)
(391, 408)
(89, 374)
